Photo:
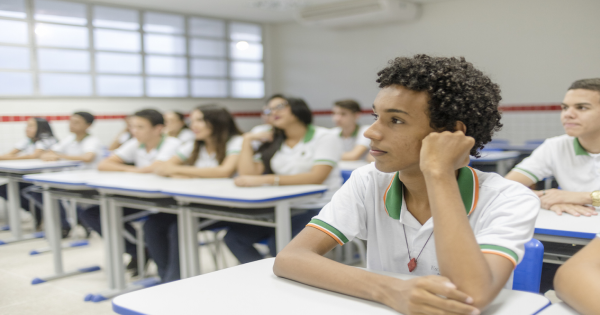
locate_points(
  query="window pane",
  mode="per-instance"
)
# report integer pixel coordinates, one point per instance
(166, 87)
(247, 89)
(209, 68)
(60, 12)
(164, 44)
(14, 32)
(13, 8)
(116, 40)
(207, 28)
(113, 85)
(116, 18)
(246, 51)
(163, 23)
(118, 63)
(166, 65)
(64, 60)
(65, 84)
(61, 35)
(14, 83)
(14, 57)
(209, 88)
(207, 48)
(245, 31)
(247, 70)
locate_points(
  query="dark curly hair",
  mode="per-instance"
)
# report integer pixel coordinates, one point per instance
(457, 92)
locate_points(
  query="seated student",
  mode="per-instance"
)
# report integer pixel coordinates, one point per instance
(214, 154)
(576, 281)
(123, 136)
(266, 116)
(145, 151)
(573, 159)
(345, 116)
(430, 114)
(176, 127)
(298, 154)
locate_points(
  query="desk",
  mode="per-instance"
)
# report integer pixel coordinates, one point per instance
(502, 159)
(523, 149)
(566, 228)
(257, 289)
(559, 309)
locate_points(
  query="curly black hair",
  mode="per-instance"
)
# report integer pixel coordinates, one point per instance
(457, 92)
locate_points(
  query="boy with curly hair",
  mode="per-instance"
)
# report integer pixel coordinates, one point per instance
(430, 114)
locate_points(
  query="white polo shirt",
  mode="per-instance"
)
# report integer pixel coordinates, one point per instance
(234, 146)
(357, 138)
(258, 129)
(71, 147)
(371, 206)
(134, 152)
(26, 146)
(186, 135)
(124, 137)
(564, 158)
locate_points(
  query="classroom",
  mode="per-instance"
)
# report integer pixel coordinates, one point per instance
(296, 156)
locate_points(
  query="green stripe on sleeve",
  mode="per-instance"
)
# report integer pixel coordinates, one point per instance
(232, 152)
(528, 172)
(324, 161)
(500, 249)
(181, 156)
(331, 229)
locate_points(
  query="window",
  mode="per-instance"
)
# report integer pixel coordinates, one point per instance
(66, 48)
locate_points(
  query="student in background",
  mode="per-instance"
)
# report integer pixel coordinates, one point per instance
(79, 145)
(176, 127)
(123, 136)
(266, 116)
(424, 131)
(213, 154)
(297, 153)
(145, 151)
(346, 114)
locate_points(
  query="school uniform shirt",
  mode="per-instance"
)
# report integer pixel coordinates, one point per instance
(319, 147)
(258, 129)
(186, 135)
(134, 152)
(371, 206)
(357, 138)
(563, 157)
(26, 146)
(124, 137)
(71, 147)
(205, 159)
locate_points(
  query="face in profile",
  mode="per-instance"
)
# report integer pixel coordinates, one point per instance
(199, 126)
(281, 113)
(77, 124)
(172, 122)
(580, 114)
(142, 129)
(31, 128)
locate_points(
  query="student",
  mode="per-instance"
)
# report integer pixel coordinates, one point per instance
(214, 154)
(145, 151)
(425, 128)
(346, 114)
(298, 154)
(123, 136)
(175, 127)
(573, 159)
(576, 281)
(266, 116)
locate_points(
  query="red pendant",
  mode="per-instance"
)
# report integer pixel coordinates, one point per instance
(412, 264)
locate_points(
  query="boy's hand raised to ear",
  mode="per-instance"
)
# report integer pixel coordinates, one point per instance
(443, 152)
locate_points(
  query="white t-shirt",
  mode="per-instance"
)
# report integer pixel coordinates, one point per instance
(370, 206)
(186, 135)
(71, 147)
(357, 138)
(134, 152)
(564, 158)
(319, 147)
(26, 146)
(234, 146)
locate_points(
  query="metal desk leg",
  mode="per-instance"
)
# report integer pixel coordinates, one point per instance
(182, 234)
(283, 220)
(117, 242)
(14, 215)
(105, 215)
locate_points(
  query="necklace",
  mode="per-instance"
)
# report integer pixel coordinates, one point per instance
(412, 264)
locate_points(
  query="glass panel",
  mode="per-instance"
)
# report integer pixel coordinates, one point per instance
(116, 18)
(14, 32)
(118, 63)
(117, 40)
(245, 31)
(60, 12)
(209, 88)
(163, 23)
(65, 84)
(13, 8)
(209, 68)
(15, 83)
(207, 28)
(14, 57)
(166, 87)
(64, 60)
(61, 35)
(247, 89)
(207, 48)
(166, 65)
(113, 85)
(245, 50)
(247, 70)
(164, 44)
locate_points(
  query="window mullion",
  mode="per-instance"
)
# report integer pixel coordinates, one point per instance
(143, 52)
(33, 64)
(91, 49)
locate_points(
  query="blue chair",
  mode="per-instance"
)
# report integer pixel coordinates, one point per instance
(346, 175)
(499, 141)
(528, 274)
(534, 142)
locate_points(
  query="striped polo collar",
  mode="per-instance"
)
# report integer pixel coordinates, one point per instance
(310, 133)
(162, 139)
(468, 185)
(579, 150)
(354, 133)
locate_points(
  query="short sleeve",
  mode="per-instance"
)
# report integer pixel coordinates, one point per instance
(361, 139)
(45, 144)
(344, 217)
(234, 145)
(91, 144)
(127, 151)
(185, 150)
(539, 164)
(168, 149)
(186, 135)
(328, 150)
(60, 147)
(124, 137)
(23, 144)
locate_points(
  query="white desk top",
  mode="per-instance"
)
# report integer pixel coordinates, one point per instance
(495, 156)
(549, 223)
(253, 288)
(351, 165)
(559, 309)
(34, 165)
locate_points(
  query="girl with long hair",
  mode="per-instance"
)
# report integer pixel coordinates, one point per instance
(175, 126)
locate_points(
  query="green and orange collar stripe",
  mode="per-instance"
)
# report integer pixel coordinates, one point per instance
(468, 185)
(579, 150)
(329, 230)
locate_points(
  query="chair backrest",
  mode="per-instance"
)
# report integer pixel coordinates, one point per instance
(346, 175)
(528, 274)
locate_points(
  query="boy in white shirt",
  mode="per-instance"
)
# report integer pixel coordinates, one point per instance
(345, 116)
(431, 114)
